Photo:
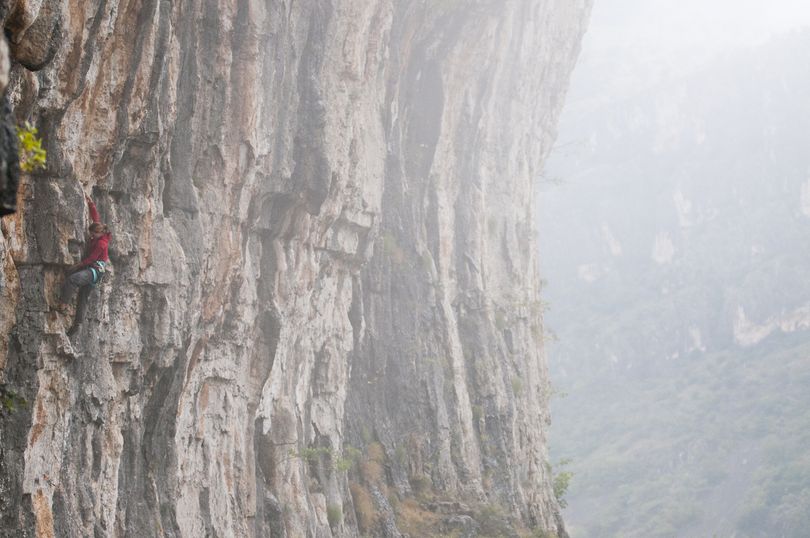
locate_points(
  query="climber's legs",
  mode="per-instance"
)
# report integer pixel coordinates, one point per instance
(78, 279)
(81, 308)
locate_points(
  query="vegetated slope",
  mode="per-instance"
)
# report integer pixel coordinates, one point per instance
(319, 306)
(677, 252)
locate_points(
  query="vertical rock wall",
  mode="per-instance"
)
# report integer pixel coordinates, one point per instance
(323, 314)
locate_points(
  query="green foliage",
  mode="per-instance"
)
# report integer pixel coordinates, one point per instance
(334, 514)
(331, 460)
(780, 498)
(494, 521)
(10, 400)
(561, 481)
(514, 310)
(350, 456)
(32, 156)
(737, 402)
(312, 454)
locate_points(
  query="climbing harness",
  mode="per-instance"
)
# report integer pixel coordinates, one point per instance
(98, 268)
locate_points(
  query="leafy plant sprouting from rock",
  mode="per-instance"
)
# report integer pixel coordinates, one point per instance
(334, 514)
(340, 463)
(32, 156)
(350, 456)
(9, 400)
(561, 481)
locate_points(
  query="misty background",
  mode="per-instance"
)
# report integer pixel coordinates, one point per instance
(674, 224)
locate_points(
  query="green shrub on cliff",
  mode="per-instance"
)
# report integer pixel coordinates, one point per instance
(561, 481)
(10, 400)
(334, 514)
(32, 156)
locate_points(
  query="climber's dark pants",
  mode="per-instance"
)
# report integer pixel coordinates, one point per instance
(83, 280)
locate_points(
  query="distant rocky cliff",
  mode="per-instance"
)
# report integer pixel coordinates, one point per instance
(677, 261)
(323, 315)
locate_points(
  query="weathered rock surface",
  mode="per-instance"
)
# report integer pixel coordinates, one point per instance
(324, 302)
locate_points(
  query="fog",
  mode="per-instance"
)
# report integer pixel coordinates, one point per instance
(663, 26)
(674, 230)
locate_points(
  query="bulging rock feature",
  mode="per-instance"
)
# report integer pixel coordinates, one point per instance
(34, 28)
(323, 316)
(37, 44)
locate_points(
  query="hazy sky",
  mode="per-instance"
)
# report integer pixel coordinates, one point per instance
(669, 25)
(635, 44)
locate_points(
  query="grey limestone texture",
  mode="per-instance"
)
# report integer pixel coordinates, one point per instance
(323, 313)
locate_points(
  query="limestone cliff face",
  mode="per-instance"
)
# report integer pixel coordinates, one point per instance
(323, 315)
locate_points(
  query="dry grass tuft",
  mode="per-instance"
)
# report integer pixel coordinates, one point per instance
(373, 468)
(415, 520)
(363, 508)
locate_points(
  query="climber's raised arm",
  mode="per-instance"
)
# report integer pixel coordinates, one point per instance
(93, 211)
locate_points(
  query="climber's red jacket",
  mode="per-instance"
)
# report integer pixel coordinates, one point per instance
(97, 249)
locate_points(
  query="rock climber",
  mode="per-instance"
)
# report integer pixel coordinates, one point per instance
(87, 273)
